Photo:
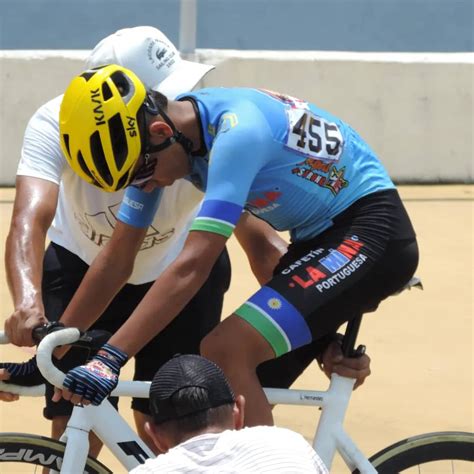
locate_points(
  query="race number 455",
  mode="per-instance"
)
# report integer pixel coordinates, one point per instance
(313, 136)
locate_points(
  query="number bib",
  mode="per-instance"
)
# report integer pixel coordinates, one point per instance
(313, 136)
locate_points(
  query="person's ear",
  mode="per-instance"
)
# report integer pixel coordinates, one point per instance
(159, 131)
(156, 435)
(238, 412)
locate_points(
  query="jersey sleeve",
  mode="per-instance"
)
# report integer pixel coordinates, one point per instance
(238, 153)
(41, 155)
(138, 208)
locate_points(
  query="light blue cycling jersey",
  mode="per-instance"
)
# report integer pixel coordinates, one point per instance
(285, 160)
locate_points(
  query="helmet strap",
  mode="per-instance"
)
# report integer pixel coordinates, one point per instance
(177, 137)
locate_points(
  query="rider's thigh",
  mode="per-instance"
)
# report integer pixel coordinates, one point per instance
(235, 343)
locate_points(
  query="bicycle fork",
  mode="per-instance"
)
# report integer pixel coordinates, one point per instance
(110, 429)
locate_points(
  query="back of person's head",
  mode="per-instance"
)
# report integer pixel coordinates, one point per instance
(149, 53)
(191, 395)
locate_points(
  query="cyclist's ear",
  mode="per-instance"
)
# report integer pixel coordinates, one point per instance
(238, 412)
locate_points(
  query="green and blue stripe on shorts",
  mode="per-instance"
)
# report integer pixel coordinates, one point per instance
(277, 320)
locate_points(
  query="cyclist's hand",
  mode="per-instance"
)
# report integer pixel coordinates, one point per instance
(26, 374)
(20, 324)
(7, 396)
(93, 382)
(333, 361)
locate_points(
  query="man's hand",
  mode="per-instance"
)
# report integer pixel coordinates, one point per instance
(26, 374)
(19, 326)
(7, 396)
(93, 382)
(333, 361)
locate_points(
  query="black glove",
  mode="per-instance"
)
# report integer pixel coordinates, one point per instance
(26, 374)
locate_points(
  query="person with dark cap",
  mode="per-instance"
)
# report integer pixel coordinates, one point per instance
(198, 425)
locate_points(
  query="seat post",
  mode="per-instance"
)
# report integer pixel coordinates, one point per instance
(350, 336)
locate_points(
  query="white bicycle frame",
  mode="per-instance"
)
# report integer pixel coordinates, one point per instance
(131, 451)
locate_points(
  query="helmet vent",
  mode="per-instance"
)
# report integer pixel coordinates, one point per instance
(87, 75)
(66, 144)
(119, 140)
(98, 157)
(106, 92)
(123, 84)
(82, 164)
(123, 181)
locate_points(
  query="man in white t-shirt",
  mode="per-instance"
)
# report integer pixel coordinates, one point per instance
(198, 425)
(52, 201)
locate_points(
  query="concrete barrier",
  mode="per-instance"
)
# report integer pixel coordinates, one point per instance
(416, 110)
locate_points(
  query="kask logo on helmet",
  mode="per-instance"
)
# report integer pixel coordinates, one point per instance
(99, 115)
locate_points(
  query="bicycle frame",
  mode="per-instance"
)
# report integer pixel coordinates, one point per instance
(131, 451)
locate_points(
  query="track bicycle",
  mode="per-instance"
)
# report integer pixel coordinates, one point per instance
(70, 454)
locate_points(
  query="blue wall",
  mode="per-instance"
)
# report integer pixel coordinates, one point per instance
(350, 25)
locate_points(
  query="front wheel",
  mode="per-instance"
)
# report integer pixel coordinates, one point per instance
(20, 448)
(432, 452)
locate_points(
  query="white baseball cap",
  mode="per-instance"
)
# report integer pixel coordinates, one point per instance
(152, 57)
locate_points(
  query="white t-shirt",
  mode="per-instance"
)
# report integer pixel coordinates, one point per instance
(86, 216)
(261, 449)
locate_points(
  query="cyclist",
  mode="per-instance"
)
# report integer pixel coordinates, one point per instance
(294, 165)
(198, 423)
(83, 220)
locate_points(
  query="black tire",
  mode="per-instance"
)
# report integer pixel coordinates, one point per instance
(418, 450)
(40, 451)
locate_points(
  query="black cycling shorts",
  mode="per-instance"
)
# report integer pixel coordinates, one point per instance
(368, 254)
(62, 274)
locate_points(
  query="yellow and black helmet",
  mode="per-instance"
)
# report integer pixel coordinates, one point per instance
(98, 125)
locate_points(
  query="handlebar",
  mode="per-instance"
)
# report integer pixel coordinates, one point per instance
(45, 350)
(53, 375)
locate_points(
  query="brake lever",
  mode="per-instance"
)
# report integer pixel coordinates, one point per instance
(40, 332)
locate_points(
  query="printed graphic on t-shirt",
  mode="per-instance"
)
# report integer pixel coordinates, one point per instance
(89, 223)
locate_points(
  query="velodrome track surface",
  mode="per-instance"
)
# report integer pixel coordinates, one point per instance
(421, 343)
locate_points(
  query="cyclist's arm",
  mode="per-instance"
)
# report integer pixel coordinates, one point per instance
(171, 291)
(262, 244)
(107, 274)
(33, 211)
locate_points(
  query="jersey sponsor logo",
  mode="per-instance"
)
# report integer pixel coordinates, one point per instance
(90, 223)
(334, 180)
(342, 274)
(334, 261)
(302, 260)
(97, 110)
(329, 270)
(266, 202)
(316, 165)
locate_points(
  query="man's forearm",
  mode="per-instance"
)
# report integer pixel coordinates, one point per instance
(24, 254)
(262, 245)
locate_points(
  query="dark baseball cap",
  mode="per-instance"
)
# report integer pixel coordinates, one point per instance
(173, 393)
